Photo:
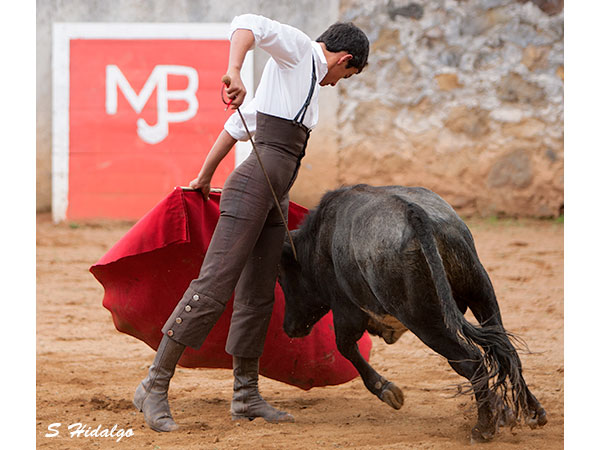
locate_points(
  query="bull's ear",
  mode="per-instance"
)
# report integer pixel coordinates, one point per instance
(287, 255)
(293, 233)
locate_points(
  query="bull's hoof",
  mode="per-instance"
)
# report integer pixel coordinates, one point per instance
(478, 436)
(392, 395)
(537, 419)
(507, 418)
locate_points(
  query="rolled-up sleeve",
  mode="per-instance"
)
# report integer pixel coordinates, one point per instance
(234, 125)
(286, 44)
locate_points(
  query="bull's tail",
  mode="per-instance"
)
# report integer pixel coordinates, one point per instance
(500, 361)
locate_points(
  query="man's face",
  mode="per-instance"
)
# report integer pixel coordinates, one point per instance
(337, 72)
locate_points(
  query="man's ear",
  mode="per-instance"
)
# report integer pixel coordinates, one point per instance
(345, 59)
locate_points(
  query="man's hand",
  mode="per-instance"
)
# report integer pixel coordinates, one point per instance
(236, 91)
(202, 185)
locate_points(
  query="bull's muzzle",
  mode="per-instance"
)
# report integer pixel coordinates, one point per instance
(296, 331)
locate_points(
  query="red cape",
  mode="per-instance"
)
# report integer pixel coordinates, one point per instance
(147, 271)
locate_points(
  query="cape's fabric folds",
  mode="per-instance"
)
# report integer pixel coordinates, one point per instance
(147, 271)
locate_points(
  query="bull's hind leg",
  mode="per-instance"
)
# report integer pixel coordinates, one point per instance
(349, 328)
(469, 364)
(482, 302)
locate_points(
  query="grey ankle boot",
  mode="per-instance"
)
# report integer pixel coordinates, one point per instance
(151, 394)
(247, 402)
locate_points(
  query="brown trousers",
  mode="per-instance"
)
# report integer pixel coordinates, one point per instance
(246, 246)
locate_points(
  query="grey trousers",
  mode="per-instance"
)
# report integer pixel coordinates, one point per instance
(246, 246)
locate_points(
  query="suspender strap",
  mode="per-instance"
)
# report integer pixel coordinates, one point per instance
(304, 108)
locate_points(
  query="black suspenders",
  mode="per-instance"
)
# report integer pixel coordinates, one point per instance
(300, 116)
(304, 108)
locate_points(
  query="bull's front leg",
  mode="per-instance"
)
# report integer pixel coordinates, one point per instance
(348, 330)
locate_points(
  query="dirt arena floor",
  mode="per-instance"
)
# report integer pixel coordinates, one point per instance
(87, 371)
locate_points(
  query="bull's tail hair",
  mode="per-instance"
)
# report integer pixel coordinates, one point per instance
(500, 367)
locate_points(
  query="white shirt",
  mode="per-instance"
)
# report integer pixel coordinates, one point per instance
(286, 78)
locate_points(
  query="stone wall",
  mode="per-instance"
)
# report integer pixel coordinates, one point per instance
(463, 97)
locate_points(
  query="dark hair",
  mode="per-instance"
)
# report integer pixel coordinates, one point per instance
(345, 36)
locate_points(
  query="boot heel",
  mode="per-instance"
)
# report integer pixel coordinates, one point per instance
(242, 417)
(137, 402)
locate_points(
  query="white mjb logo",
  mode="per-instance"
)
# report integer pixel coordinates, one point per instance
(153, 134)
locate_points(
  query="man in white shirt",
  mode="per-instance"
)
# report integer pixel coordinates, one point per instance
(246, 246)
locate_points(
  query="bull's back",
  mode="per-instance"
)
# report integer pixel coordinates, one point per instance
(375, 250)
(375, 210)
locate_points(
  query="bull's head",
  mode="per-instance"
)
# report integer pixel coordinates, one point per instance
(303, 306)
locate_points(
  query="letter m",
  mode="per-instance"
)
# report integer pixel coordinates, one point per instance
(114, 78)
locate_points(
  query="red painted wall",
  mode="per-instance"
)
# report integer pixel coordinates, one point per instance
(113, 171)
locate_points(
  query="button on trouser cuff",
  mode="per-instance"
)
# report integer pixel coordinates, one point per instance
(191, 320)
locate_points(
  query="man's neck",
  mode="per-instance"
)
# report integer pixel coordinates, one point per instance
(330, 57)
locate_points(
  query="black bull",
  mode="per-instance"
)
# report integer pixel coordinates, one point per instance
(388, 259)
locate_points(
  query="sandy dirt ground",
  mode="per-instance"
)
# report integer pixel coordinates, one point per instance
(87, 371)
